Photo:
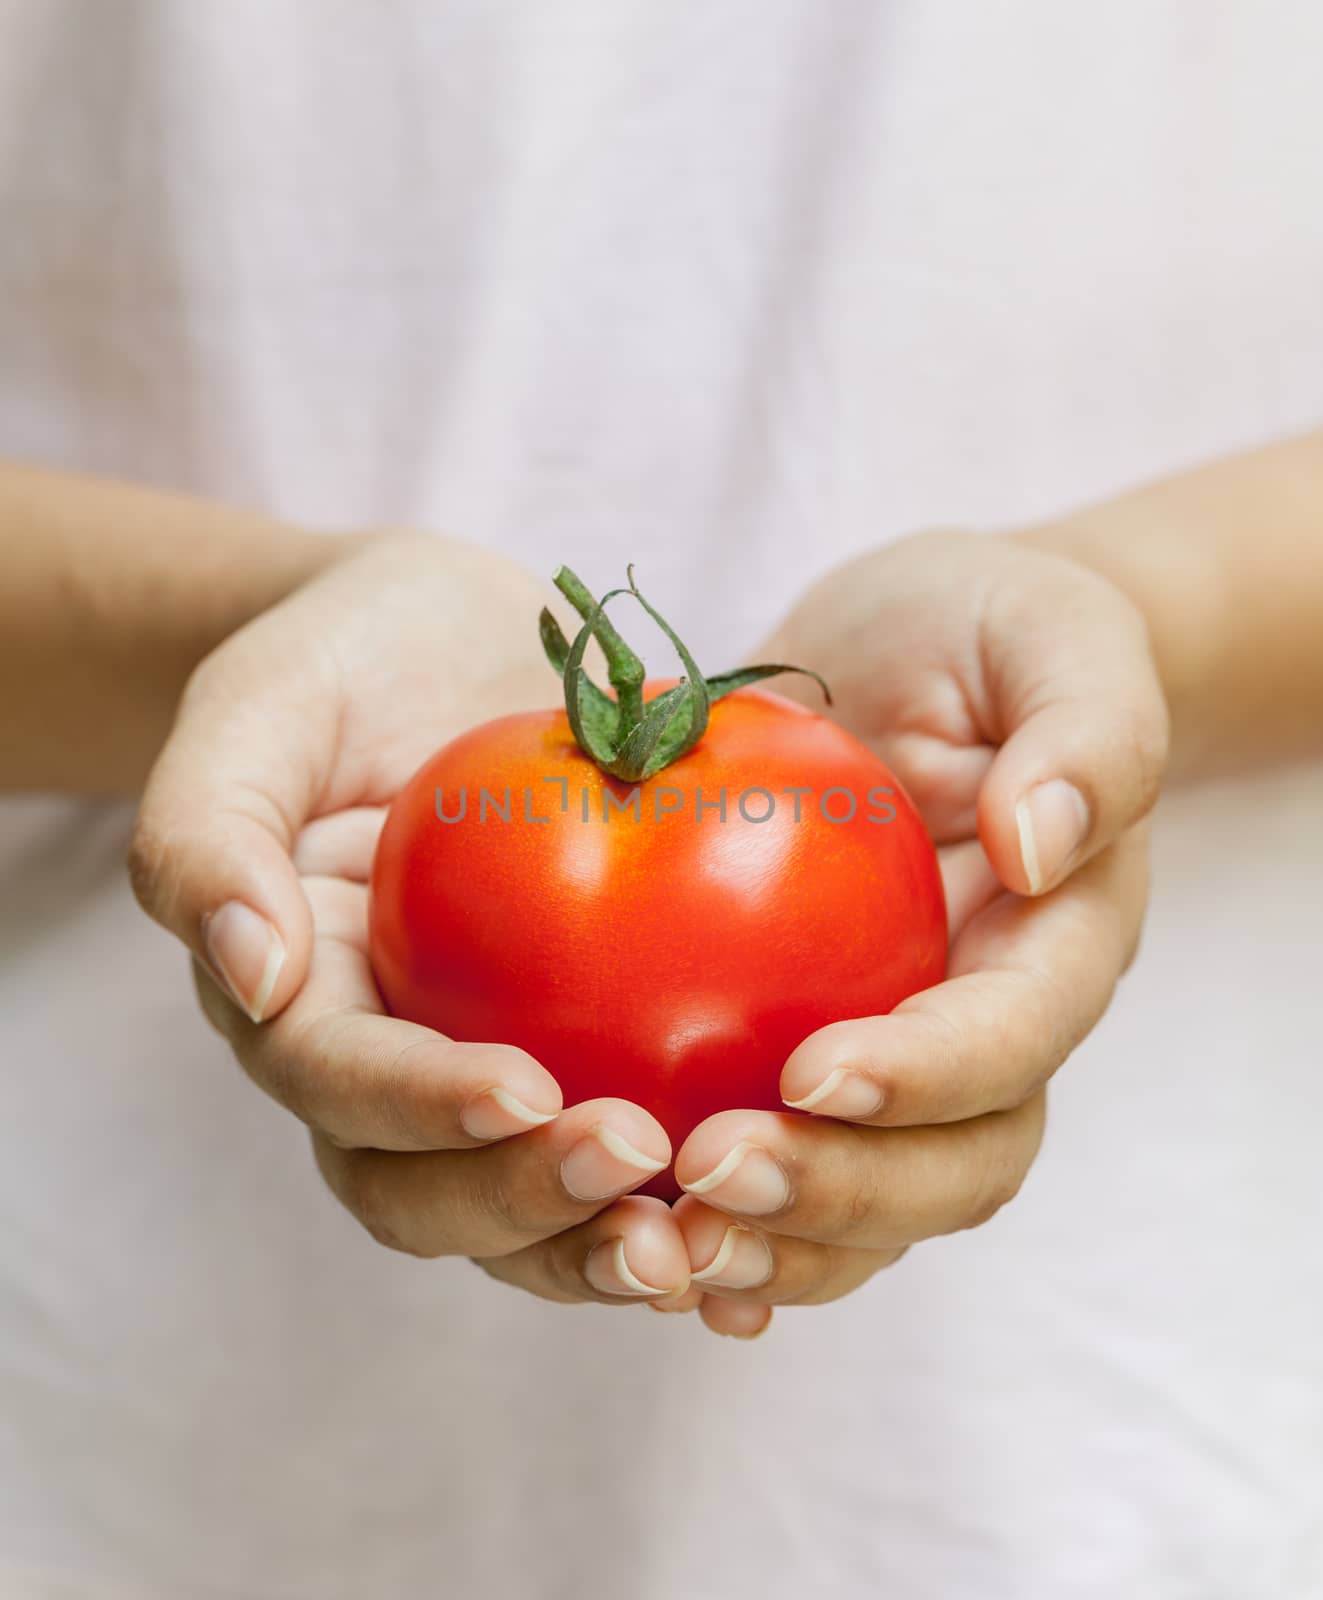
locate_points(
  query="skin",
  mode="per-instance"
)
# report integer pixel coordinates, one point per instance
(112, 594)
(979, 668)
(289, 741)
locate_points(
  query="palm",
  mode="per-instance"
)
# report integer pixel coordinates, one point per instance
(388, 655)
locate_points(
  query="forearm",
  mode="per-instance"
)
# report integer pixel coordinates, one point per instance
(1226, 565)
(111, 594)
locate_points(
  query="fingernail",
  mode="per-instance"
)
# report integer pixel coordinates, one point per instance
(742, 1261)
(497, 1114)
(609, 1273)
(841, 1094)
(1052, 820)
(602, 1164)
(746, 1179)
(246, 954)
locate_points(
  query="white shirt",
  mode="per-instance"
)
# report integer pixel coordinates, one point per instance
(734, 290)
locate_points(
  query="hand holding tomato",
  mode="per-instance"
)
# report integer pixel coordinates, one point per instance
(980, 673)
(253, 845)
(1014, 695)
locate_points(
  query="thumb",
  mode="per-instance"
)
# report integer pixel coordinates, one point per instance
(1077, 699)
(210, 857)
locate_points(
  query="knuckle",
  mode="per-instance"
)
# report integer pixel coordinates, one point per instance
(516, 1273)
(360, 1192)
(147, 855)
(272, 1063)
(290, 1057)
(839, 1273)
(857, 1198)
(486, 1211)
(808, 1286)
(999, 1182)
(954, 1057)
(819, 1283)
(363, 1192)
(989, 1201)
(412, 1105)
(1062, 1014)
(1148, 740)
(859, 1208)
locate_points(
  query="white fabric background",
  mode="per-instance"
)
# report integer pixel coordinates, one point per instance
(733, 290)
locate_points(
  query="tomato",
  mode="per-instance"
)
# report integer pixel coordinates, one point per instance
(640, 938)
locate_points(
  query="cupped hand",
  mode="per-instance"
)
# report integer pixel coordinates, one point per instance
(1014, 695)
(253, 845)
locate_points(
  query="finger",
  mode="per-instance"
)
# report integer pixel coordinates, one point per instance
(742, 1261)
(1085, 726)
(869, 1188)
(210, 854)
(340, 845)
(364, 1079)
(736, 1319)
(502, 1197)
(690, 1300)
(968, 882)
(1028, 980)
(941, 775)
(629, 1253)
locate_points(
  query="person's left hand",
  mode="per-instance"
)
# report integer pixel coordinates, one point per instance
(1014, 695)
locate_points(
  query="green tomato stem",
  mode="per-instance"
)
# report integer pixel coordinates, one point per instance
(628, 737)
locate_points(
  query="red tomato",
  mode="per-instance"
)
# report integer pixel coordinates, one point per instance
(662, 954)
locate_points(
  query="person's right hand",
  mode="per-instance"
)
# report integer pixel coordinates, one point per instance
(253, 845)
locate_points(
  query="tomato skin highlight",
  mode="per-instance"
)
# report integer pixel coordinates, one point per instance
(668, 958)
